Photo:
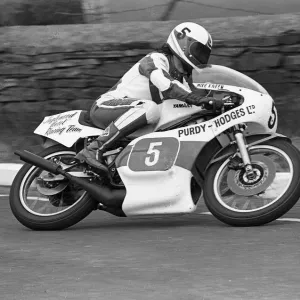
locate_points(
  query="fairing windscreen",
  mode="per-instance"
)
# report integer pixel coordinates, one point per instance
(224, 75)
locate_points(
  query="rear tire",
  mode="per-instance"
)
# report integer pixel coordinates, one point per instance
(70, 217)
(264, 215)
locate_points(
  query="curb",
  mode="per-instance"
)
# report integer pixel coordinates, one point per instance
(8, 173)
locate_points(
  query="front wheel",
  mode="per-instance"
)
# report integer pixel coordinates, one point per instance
(61, 203)
(239, 201)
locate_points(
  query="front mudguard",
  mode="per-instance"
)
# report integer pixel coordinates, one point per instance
(251, 140)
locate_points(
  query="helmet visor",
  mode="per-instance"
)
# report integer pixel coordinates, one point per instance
(199, 54)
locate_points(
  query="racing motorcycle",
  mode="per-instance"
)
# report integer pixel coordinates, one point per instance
(247, 173)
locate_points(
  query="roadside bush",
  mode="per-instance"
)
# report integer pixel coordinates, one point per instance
(41, 12)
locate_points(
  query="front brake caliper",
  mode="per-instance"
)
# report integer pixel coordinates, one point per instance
(235, 163)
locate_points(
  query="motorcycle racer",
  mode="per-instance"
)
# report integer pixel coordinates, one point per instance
(163, 74)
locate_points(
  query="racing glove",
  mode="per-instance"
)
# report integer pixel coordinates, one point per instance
(178, 91)
(208, 103)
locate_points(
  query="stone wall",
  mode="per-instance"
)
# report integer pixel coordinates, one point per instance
(42, 77)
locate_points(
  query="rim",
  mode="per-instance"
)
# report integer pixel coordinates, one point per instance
(31, 198)
(278, 187)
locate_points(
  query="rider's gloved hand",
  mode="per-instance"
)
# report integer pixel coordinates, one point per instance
(208, 103)
(212, 104)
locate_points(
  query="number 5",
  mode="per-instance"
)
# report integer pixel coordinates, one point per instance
(181, 35)
(273, 117)
(153, 151)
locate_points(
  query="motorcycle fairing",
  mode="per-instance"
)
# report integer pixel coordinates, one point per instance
(157, 168)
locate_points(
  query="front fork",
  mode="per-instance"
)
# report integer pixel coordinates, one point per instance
(239, 137)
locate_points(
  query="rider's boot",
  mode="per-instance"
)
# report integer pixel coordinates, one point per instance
(93, 153)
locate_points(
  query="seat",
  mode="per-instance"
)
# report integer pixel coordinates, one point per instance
(85, 120)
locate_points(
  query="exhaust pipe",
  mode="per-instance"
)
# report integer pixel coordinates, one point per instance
(102, 194)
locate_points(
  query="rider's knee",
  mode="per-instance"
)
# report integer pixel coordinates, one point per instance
(152, 111)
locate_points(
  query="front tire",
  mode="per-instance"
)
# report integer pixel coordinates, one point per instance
(239, 214)
(68, 216)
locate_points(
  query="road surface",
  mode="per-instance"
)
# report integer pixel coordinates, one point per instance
(188, 257)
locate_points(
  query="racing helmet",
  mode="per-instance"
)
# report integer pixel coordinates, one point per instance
(191, 43)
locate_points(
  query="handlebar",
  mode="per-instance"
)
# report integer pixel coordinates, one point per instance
(228, 102)
(231, 100)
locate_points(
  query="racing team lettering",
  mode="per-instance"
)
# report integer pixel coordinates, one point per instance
(235, 114)
(192, 130)
(51, 131)
(57, 124)
(208, 85)
(59, 118)
(60, 130)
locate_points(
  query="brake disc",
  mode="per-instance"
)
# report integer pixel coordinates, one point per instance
(49, 185)
(264, 170)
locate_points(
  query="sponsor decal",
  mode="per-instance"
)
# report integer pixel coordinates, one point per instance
(60, 130)
(59, 118)
(208, 85)
(181, 105)
(51, 131)
(192, 130)
(250, 109)
(57, 124)
(234, 114)
(73, 128)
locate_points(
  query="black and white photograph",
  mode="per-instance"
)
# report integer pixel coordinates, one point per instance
(149, 150)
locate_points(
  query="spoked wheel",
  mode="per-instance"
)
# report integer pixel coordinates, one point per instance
(42, 201)
(241, 200)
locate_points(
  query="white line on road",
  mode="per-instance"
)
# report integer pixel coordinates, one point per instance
(281, 219)
(289, 219)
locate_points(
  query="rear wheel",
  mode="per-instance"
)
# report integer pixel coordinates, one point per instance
(237, 200)
(53, 205)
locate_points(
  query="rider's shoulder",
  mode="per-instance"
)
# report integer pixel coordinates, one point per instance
(157, 54)
(159, 57)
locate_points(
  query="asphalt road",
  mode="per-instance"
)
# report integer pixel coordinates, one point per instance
(185, 257)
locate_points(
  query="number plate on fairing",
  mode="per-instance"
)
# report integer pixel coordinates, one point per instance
(153, 154)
